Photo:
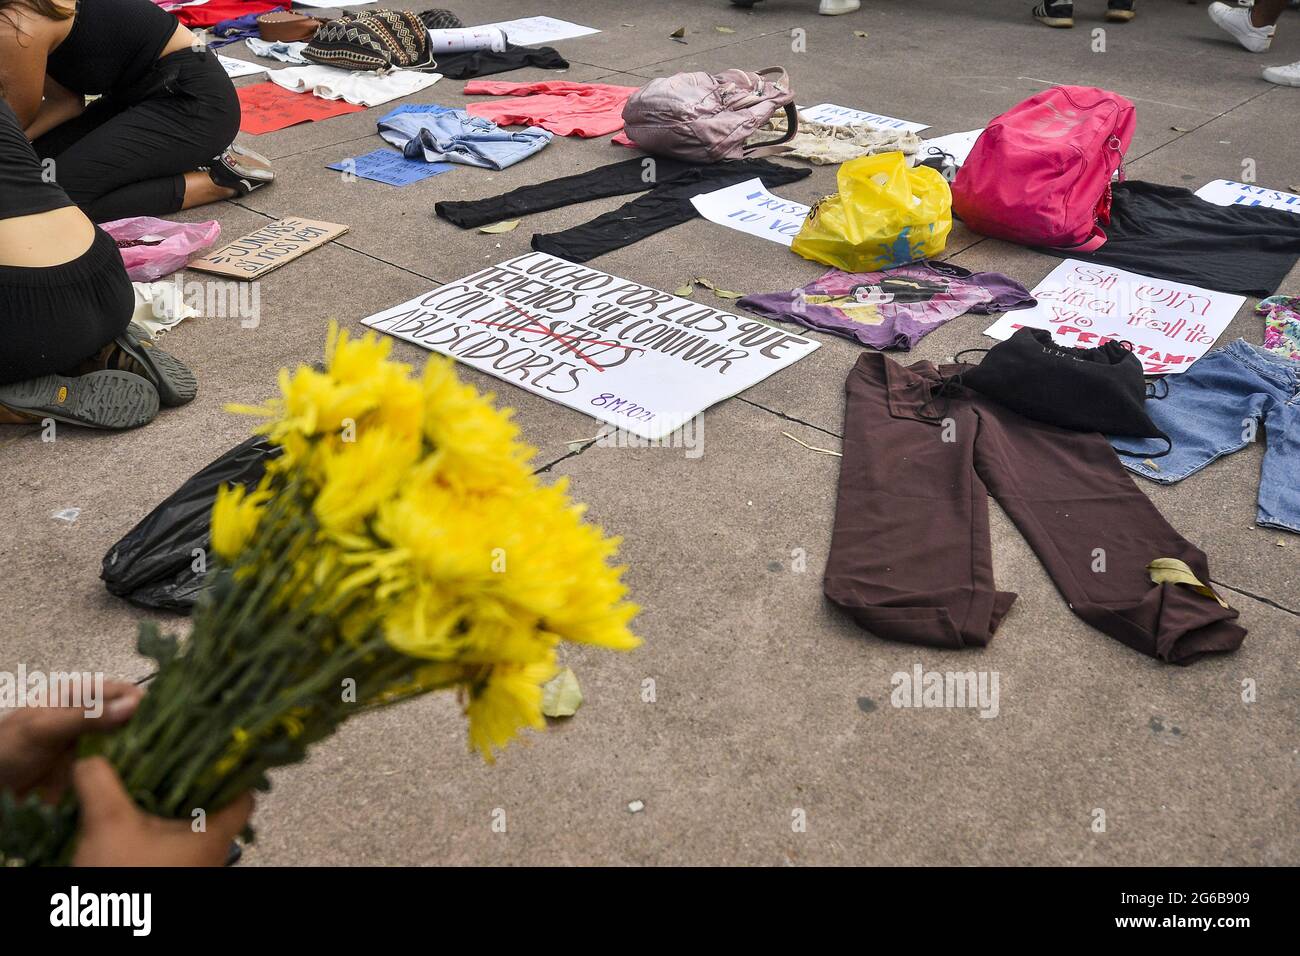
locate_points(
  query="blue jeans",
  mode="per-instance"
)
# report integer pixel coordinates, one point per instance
(1214, 409)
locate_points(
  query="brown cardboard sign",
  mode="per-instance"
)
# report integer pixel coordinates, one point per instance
(254, 255)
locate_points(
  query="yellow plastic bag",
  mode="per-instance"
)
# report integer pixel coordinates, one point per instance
(885, 214)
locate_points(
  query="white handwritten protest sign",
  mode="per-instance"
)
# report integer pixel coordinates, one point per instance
(624, 353)
(531, 31)
(1084, 305)
(1226, 192)
(749, 207)
(236, 68)
(833, 115)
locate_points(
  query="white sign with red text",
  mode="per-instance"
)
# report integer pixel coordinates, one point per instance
(1084, 305)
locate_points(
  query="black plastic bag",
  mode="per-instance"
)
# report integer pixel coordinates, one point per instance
(156, 564)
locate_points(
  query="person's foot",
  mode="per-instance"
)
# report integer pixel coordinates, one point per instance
(1120, 11)
(1287, 75)
(105, 399)
(134, 351)
(1236, 22)
(833, 8)
(1055, 13)
(241, 169)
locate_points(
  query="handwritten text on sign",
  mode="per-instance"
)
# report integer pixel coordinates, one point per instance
(750, 208)
(833, 115)
(1170, 324)
(254, 255)
(624, 353)
(1226, 192)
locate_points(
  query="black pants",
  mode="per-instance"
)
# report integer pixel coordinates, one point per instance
(670, 183)
(53, 317)
(127, 154)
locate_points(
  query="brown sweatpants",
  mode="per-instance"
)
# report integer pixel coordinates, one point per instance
(910, 555)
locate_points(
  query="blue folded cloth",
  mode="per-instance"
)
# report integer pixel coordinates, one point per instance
(453, 136)
(237, 28)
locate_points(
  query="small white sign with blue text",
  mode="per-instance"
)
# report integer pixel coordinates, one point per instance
(1226, 192)
(749, 207)
(833, 115)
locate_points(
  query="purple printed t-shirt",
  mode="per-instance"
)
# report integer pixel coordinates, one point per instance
(894, 308)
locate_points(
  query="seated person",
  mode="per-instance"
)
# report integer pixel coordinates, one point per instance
(68, 351)
(160, 136)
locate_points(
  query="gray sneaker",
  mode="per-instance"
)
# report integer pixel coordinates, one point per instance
(241, 169)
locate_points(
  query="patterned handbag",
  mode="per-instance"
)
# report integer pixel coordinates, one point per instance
(377, 40)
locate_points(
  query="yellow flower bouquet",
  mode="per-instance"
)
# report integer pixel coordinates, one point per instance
(399, 543)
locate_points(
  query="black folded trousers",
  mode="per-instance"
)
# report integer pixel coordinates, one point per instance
(910, 553)
(668, 185)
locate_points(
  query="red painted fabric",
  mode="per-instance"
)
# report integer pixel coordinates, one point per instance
(214, 11)
(566, 109)
(267, 108)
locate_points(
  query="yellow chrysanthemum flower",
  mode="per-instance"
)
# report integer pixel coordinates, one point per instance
(235, 515)
(509, 699)
(476, 446)
(429, 531)
(359, 476)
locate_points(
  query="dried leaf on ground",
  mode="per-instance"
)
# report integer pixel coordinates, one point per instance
(561, 695)
(497, 227)
(1174, 571)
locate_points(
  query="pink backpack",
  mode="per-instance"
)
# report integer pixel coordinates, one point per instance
(1040, 173)
(706, 118)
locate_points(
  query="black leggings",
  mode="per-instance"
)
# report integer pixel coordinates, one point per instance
(670, 183)
(127, 154)
(53, 317)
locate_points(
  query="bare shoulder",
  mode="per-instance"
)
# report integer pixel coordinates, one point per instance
(35, 24)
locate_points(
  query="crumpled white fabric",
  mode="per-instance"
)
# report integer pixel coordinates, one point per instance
(825, 145)
(281, 50)
(358, 88)
(159, 306)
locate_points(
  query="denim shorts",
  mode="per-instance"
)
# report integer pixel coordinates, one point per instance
(1217, 407)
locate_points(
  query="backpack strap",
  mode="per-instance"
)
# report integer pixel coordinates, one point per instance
(778, 146)
(782, 77)
(1091, 244)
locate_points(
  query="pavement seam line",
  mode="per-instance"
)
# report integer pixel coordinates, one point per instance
(546, 468)
(1191, 130)
(789, 418)
(344, 245)
(1257, 597)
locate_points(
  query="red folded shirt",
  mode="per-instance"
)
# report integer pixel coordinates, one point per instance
(567, 109)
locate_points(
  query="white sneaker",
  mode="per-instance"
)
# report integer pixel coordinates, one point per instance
(1236, 22)
(1288, 75)
(833, 8)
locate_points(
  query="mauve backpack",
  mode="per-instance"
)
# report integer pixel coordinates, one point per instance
(706, 117)
(1040, 173)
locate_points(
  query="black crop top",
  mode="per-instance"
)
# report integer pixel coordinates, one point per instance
(22, 190)
(112, 44)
